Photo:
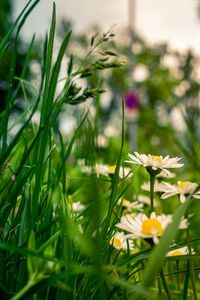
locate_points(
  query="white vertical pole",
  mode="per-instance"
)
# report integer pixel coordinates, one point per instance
(132, 122)
(132, 15)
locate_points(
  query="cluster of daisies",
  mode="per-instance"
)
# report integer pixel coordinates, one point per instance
(150, 228)
(134, 224)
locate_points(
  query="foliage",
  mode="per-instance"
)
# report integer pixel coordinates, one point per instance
(49, 250)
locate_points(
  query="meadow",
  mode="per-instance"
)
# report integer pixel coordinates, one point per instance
(91, 215)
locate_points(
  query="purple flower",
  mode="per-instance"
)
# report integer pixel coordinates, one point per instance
(131, 100)
(70, 160)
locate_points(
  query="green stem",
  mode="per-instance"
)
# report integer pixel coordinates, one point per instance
(23, 291)
(164, 282)
(152, 181)
(191, 259)
(160, 289)
(178, 279)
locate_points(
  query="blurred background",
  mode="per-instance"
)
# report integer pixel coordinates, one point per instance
(159, 45)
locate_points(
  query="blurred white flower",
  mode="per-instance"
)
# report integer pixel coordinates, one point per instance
(130, 205)
(146, 200)
(166, 175)
(119, 241)
(102, 141)
(100, 169)
(143, 227)
(180, 251)
(76, 206)
(156, 162)
(146, 186)
(183, 189)
(140, 73)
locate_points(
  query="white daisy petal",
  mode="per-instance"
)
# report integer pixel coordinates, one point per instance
(143, 227)
(119, 241)
(183, 188)
(156, 162)
(180, 251)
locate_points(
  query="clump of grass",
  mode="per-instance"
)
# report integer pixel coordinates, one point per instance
(56, 224)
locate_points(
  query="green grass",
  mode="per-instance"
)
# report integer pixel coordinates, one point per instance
(47, 250)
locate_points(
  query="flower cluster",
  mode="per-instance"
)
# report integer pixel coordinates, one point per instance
(151, 227)
(106, 170)
(139, 219)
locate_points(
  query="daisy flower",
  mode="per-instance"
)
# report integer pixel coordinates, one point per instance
(143, 227)
(183, 189)
(119, 241)
(157, 163)
(146, 200)
(146, 186)
(130, 205)
(165, 175)
(180, 251)
(100, 169)
(76, 206)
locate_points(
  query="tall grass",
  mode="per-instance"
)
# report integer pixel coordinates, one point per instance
(48, 251)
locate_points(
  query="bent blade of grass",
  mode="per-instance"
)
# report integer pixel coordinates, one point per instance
(55, 71)
(50, 241)
(10, 99)
(22, 116)
(3, 51)
(5, 154)
(8, 35)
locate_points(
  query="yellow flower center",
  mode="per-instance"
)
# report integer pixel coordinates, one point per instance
(176, 253)
(116, 242)
(125, 202)
(111, 169)
(182, 184)
(152, 227)
(98, 170)
(156, 159)
(70, 201)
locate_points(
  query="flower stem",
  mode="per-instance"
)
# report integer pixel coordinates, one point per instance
(152, 181)
(23, 291)
(160, 289)
(178, 279)
(191, 259)
(164, 282)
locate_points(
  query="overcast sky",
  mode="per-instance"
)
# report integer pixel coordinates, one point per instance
(175, 21)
